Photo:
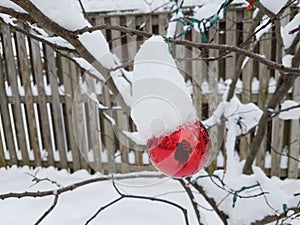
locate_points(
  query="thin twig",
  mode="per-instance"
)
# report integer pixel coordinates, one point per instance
(192, 199)
(40, 194)
(103, 208)
(48, 211)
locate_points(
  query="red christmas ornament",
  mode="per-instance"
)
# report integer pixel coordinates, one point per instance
(182, 153)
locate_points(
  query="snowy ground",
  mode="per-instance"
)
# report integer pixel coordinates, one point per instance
(77, 206)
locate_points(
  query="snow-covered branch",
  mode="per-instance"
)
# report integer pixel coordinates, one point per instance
(257, 57)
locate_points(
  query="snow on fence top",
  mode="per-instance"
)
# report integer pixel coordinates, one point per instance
(141, 6)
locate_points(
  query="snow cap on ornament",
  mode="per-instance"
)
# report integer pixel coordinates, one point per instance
(162, 109)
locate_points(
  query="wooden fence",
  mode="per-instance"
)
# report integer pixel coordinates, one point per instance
(48, 117)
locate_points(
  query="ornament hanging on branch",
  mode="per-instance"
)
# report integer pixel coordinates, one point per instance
(182, 153)
(163, 111)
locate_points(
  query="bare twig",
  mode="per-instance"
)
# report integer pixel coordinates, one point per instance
(123, 196)
(48, 211)
(40, 194)
(103, 208)
(211, 201)
(192, 199)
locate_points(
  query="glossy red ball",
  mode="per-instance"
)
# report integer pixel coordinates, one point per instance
(182, 153)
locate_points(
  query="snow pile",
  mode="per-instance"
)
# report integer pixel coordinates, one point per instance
(288, 38)
(240, 117)
(212, 8)
(66, 13)
(248, 209)
(173, 24)
(77, 206)
(292, 114)
(85, 201)
(161, 102)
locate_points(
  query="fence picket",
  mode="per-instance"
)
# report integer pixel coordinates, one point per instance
(197, 76)
(95, 143)
(294, 145)
(264, 76)
(231, 39)
(57, 115)
(12, 77)
(27, 78)
(79, 130)
(123, 124)
(107, 132)
(132, 44)
(37, 70)
(68, 75)
(7, 126)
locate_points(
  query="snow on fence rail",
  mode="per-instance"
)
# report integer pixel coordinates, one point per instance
(47, 120)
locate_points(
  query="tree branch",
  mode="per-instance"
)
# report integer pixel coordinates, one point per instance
(123, 196)
(271, 64)
(192, 199)
(48, 211)
(40, 194)
(273, 218)
(16, 14)
(211, 201)
(41, 19)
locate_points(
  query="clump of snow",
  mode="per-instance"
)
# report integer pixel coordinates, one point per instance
(10, 4)
(288, 38)
(251, 208)
(135, 137)
(272, 85)
(292, 114)
(245, 116)
(255, 85)
(161, 102)
(209, 8)
(85, 65)
(287, 60)
(7, 19)
(97, 45)
(173, 24)
(261, 32)
(66, 13)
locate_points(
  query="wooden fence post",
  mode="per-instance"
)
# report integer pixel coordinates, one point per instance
(56, 108)
(92, 119)
(36, 64)
(24, 71)
(132, 44)
(108, 132)
(12, 76)
(247, 74)
(69, 74)
(293, 166)
(231, 39)
(197, 76)
(264, 76)
(123, 142)
(6, 122)
(78, 120)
